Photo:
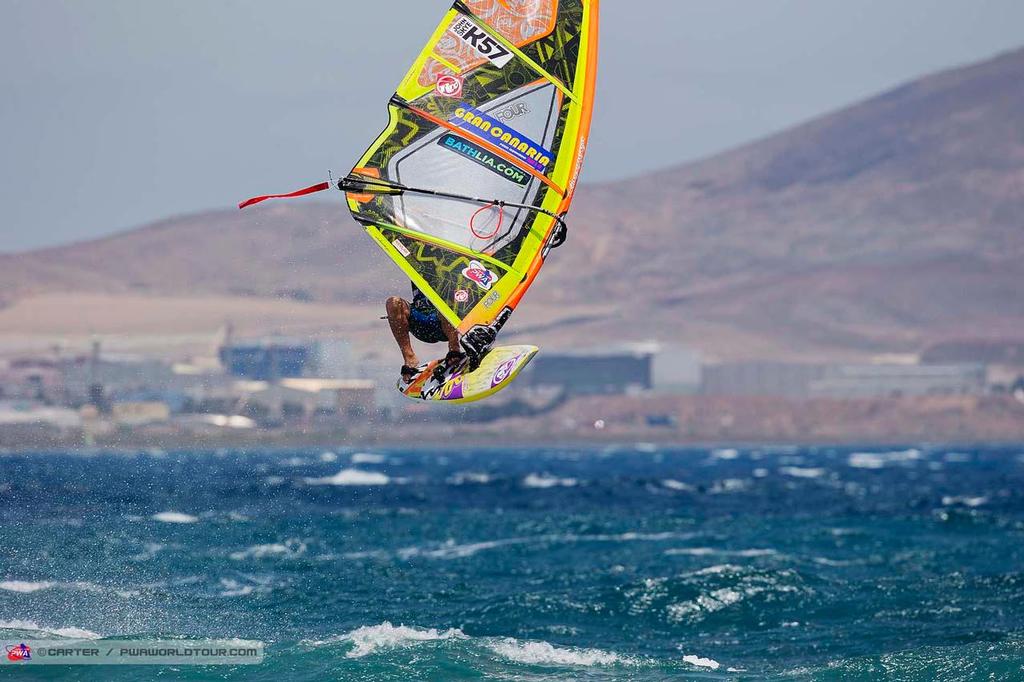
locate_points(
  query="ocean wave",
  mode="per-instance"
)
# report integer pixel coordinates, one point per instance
(231, 587)
(964, 501)
(370, 639)
(367, 458)
(467, 477)
(148, 552)
(450, 549)
(31, 627)
(678, 486)
(697, 661)
(174, 517)
(803, 472)
(543, 653)
(880, 460)
(548, 481)
(708, 551)
(28, 587)
(692, 597)
(24, 586)
(289, 549)
(725, 453)
(730, 486)
(352, 477)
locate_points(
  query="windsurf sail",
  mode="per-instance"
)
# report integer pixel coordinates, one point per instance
(467, 187)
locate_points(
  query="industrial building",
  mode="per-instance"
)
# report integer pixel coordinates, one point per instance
(609, 371)
(801, 381)
(267, 359)
(869, 381)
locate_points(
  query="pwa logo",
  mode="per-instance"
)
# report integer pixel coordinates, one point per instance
(483, 277)
(19, 652)
(449, 86)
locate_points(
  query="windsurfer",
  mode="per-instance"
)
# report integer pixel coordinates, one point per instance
(420, 318)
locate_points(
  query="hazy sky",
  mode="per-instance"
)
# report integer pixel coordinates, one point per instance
(115, 113)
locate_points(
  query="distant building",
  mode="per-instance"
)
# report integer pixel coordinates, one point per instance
(140, 413)
(20, 414)
(267, 360)
(865, 381)
(789, 380)
(597, 372)
(801, 381)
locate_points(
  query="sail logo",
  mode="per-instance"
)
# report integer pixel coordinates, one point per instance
(476, 272)
(449, 86)
(493, 163)
(486, 45)
(512, 111)
(19, 652)
(503, 136)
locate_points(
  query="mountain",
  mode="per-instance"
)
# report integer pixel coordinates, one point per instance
(885, 227)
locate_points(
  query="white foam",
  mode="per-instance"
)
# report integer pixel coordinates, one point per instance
(729, 485)
(451, 550)
(699, 662)
(175, 517)
(957, 457)
(673, 484)
(150, 551)
(725, 453)
(233, 588)
(964, 500)
(803, 472)
(354, 477)
(543, 653)
(367, 458)
(879, 460)
(691, 551)
(289, 549)
(24, 586)
(547, 481)
(328, 457)
(464, 477)
(708, 551)
(369, 639)
(29, 626)
(866, 460)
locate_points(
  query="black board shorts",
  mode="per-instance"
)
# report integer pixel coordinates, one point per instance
(426, 326)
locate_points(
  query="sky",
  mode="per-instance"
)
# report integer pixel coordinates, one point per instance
(116, 113)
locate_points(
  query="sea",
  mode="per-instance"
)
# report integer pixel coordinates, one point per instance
(627, 562)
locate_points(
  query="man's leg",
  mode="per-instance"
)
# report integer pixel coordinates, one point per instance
(452, 334)
(398, 318)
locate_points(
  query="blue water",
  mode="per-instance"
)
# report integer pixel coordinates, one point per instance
(631, 563)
